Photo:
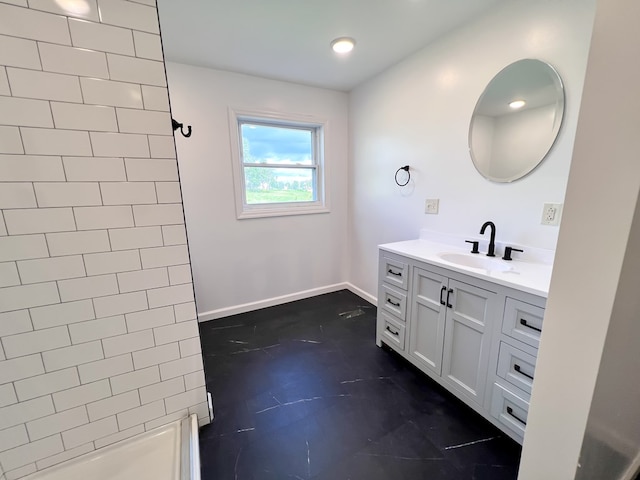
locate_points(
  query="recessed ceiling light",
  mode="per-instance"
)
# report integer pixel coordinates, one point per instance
(516, 104)
(343, 44)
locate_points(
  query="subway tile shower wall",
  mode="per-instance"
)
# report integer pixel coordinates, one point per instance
(98, 331)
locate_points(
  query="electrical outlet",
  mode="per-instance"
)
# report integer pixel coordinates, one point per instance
(431, 205)
(551, 213)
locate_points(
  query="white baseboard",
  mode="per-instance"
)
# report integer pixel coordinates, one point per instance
(270, 302)
(362, 294)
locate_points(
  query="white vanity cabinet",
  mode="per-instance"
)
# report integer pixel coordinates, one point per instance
(450, 329)
(392, 301)
(514, 354)
(476, 338)
(428, 313)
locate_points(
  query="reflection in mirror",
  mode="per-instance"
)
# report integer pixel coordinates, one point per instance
(516, 120)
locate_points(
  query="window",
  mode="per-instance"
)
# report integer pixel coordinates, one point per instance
(277, 165)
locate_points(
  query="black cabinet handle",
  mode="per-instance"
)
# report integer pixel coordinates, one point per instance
(524, 323)
(449, 292)
(510, 412)
(398, 274)
(441, 294)
(517, 368)
(394, 304)
(392, 332)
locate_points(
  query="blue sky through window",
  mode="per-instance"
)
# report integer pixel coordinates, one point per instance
(273, 144)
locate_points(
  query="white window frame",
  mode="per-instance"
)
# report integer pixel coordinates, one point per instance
(320, 127)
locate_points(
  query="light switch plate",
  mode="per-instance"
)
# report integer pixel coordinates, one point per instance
(431, 206)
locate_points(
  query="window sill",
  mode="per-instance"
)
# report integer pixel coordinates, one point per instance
(280, 211)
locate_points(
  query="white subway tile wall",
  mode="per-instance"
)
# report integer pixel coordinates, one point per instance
(88, 11)
(26, 112)
(105, 38)
(124, 434)
(135, 380)
(18, 52)
(98, 330)
(154, 98)
(4, 82)
(10, 139)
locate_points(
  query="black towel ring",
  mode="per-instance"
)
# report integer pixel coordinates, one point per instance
(406, 169)
(177, 125)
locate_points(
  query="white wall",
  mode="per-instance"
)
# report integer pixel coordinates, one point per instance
(99, 338)
(585, 294)
(614, 418)
(254, 261)
(418, 113)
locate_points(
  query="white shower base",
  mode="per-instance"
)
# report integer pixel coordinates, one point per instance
(169, 452)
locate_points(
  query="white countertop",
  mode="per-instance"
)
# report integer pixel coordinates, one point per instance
(527, 276)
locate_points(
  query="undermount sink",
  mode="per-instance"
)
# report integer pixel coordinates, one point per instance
(476, 261)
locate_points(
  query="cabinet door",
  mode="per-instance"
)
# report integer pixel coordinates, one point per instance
(467, 339)
(427, 319)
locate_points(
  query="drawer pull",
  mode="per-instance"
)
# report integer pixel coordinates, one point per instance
(441, 294)
(510, 412)
(524, 323)
(392, 332)
(449, 292)
(397, 274)
(392, 303)
(517, 368)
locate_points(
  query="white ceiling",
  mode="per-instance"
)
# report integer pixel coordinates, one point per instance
(289, 39)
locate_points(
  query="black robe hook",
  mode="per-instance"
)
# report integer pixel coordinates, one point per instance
(180, 126)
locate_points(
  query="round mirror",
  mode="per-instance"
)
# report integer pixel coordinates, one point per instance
(516, 120)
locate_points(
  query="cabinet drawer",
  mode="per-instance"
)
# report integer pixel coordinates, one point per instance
(516, 367)
(394, 302)
(509, 410)
(523, 321)
(394, 272)
(392, 331)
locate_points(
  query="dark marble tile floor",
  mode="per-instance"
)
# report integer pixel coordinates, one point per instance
(301, 391)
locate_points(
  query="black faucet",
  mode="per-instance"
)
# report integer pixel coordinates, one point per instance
(492, 241)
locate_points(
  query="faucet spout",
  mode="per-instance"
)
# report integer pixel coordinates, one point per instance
(492, 240)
